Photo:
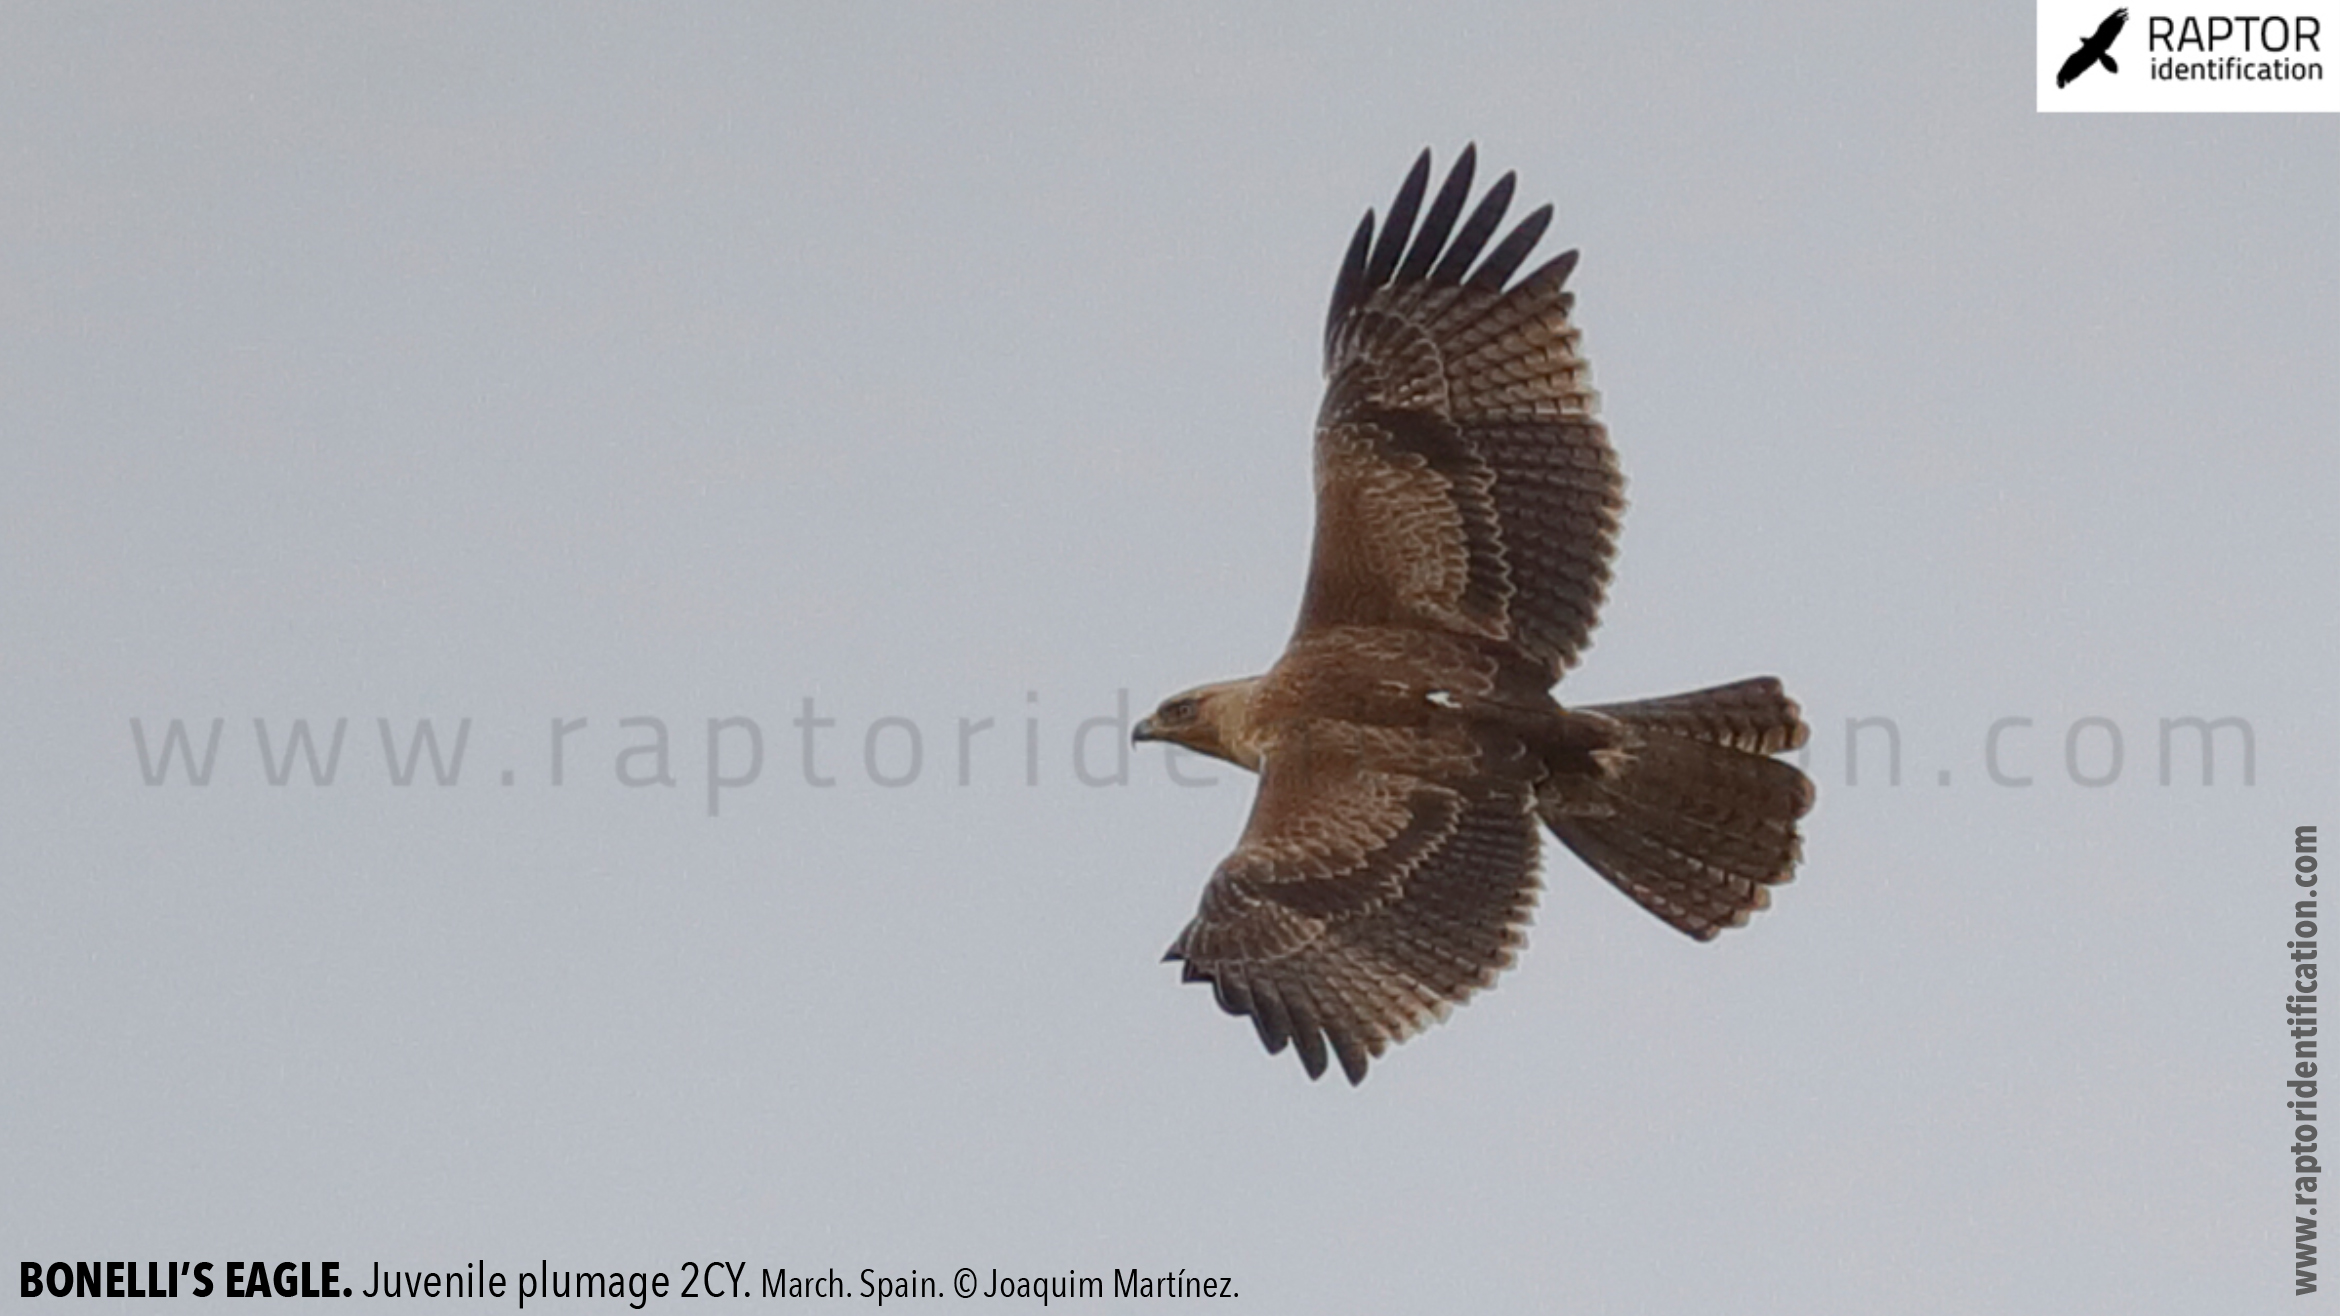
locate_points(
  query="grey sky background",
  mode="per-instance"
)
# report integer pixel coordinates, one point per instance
(399, 362)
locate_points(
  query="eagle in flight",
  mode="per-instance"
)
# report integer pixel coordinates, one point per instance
(2095, 49)
(1407, 742)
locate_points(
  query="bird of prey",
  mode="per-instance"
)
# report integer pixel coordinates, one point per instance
(1407, 742)
(2095, 49)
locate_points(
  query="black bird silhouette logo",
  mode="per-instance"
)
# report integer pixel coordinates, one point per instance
(2095, 49)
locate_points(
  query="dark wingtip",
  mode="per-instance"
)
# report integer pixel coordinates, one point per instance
(1310, 1044)
(1286, 1016)
(1443, 212)
(1500, 264)
(1475, 231)
(1269, 1017)
(1349, 288)
(1400, 225)
(1307, 1032)
(1396, 253)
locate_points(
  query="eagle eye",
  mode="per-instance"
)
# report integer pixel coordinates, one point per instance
(1180, 710)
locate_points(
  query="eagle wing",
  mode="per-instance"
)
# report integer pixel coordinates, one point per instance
(1462, 480)
(1363, 902)
(2109, 29)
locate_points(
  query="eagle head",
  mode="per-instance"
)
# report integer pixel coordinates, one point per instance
(1209, 719)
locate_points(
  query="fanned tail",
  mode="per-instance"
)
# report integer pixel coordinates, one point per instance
(1687, 812)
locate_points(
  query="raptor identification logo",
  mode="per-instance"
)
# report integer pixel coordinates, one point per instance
(2202, 56)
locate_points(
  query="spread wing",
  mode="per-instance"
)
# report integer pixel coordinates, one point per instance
(1362, 904)
(1462, 481)
(2108, 29)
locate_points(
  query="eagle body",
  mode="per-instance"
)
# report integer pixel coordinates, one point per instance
(1409, 748)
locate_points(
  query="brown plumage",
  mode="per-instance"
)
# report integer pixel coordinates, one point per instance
(1407, 741)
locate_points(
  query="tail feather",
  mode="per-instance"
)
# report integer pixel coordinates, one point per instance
(1754, 715)
(1687, 813)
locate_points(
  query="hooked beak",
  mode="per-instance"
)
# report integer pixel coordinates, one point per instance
(1142, 732)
